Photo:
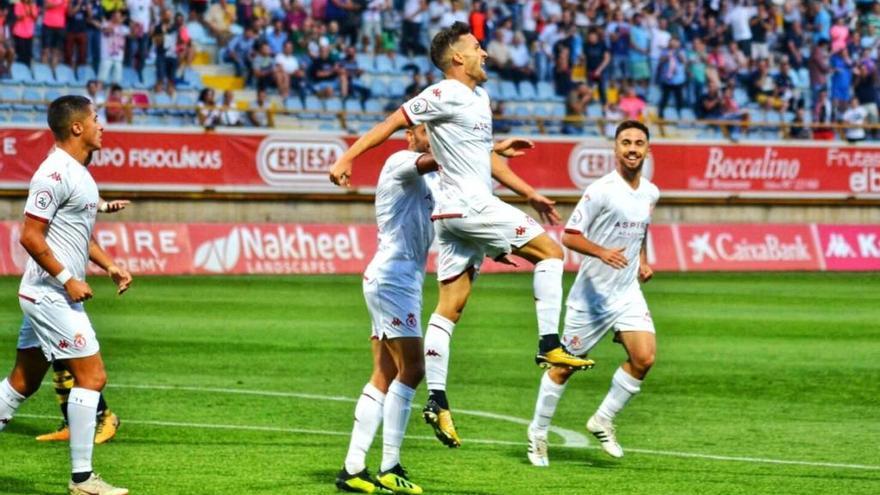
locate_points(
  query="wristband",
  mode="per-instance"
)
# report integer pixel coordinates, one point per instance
(63, 276)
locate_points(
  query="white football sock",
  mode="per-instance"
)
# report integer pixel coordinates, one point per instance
(82, 407)
(9, 402)
(548, 295)
(437, 338)
(623, 387)
(397, 409)
(367, 418)
(549, 394)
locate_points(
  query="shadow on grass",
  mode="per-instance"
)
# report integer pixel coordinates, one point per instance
(15, 486)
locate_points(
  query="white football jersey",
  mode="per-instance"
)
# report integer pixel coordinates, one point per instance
(459, 122)
(403, 214)
(64, 195)
(612, 215)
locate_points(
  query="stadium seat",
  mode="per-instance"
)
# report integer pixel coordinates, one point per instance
(161, 99)
(129, 78)
(84, 74)
(354, 109)
(527, 91)
(546, 92)
(293, 104)
(493, 88)
(311, 107)
(65, 76)
(21, 73)
(21, 118)
(43, 75)
(397, 86)
(33, 99)
(384, 65)
(4, 117)
(594, 110)
(740, 96)
(51, 95)
(191, 79)
(671, 113)
(402, 62)
(185, 100)
(7, 95)
(149, 78)
(365, 62)
(333, 105)
(141, 102)
(378, 88)
(508, 91)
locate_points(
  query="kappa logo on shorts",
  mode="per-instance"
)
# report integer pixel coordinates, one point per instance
(437, 92)
(432, 352)
(520, 231)
(64, 344)
(56, 176)
(574, 342)
(396, 322)
(410, 320)
(79, 341)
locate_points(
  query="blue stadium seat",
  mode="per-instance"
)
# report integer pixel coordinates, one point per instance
(365, 62)
(191, 79)
(740, 96)
(384, 65)
(508, 91)
(687, 114)
(149, 78)
(21, 118)
(129, 78)
(401, 61)
(546, 91)
(33, 98)
(293, 104)
(353, 106)
(423, 63)
(161, 99)
(4, 117)
(64, 75)
(671, 113)
(312, 106)
(493, 88)
(378, 88)
(527, 91)
(333, 105)
(43, 75)
(21, 73)
(51, 95)
(84, 74)
(185, 100)
(397, 86)
(8, 94)
(594, 110)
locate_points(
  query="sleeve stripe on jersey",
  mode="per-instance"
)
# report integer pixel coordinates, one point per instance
(39, 219)
(573, 231)
(406, 116)
(446, 215)
(27, 298)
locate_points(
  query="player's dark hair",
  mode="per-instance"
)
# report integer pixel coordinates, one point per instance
(632, 124)
(64, 111)
(444, 40)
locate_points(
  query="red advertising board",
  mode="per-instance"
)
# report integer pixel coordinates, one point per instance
(850, 247)
(747, 247)
(241, 161)
(268, 248)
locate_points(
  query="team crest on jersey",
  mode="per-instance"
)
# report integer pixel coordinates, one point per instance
(56, 176)
(43, 199)
(577, 217)
(79, 341)
(395, 322)
(436, 93)
(419, 105)
(63, 344)
(410, 320)
(520, 231)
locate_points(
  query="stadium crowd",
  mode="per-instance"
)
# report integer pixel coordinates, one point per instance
(735, 60)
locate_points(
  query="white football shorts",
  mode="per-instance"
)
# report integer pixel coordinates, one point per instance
(584, 329)
(395, 311)
(60, 328)
(493, 231)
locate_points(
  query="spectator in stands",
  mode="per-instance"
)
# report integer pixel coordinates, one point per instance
(711, 106)
(219, 19)
(787, 87)
(738, 19)
(761, 24)
(730, 110)
(598, 58)
(521, 63)
(819, 67)
(613, 116)
(326, 76)
(799, 129)
(865, 89)
(53, 29)
(246, 12)
(631, 104)
(264, 66)
(793, 42)
(230, 115)
(371, 25)
(841, 79)
(855, 116)
(207, 114)
(240, 52)
(477, 20)
(165, 38)
(186, 50)
(823, 113)
(821, 25)
(562, 71)
(414, 14)
(276, 36)
(698, 71)
(7, 51)
(639, 50)
(660, 37)
(353, 73)
(576, 109)
(141, 26)
(296, 16)
(116, 108)
(500, 122)
(95, 92)
(26, 13)
(76, 39)
(199, 7)
(113, 36)
(618, 42)
(260, 113)
(499, 54)
(289, 75)
(94, 25)
(672, 76)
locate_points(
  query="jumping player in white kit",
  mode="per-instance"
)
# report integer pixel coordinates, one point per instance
(57, 234)
(393, 291)
(470, 221)
(609, 226)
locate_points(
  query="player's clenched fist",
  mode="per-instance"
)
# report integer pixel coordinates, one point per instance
(340, 173)
(78, 290)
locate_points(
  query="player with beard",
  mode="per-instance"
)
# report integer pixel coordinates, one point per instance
(59, 221)
(609, 226)
(470, 221)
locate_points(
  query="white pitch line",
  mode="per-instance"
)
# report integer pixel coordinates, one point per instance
(575, 444)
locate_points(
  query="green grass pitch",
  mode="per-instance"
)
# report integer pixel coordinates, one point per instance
(764, 384)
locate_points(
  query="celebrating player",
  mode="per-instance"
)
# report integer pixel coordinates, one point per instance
(470, 221)
(57, 234)
(609, 226)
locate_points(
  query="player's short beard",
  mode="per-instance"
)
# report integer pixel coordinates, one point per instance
(89, 158)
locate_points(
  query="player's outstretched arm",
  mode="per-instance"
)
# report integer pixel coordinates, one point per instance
(120, 276)
(340, 172)
(113, 206)
(577, 242)
(545, 207)
(33, 240)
